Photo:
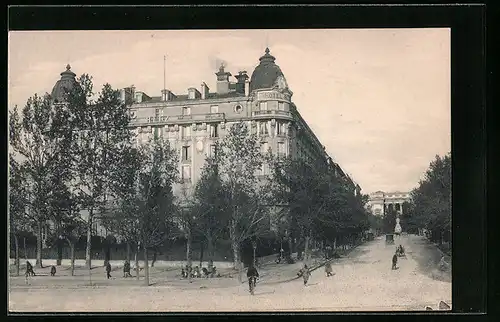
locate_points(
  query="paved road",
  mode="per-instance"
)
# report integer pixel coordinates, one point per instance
(363, 281)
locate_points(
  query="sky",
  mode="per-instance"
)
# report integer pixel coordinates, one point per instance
(379, 100)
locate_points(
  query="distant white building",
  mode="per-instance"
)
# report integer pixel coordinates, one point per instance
(380, 201)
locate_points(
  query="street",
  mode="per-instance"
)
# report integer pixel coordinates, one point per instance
(363, 281)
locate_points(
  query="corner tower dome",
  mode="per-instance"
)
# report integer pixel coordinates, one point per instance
(66, 83)
(267, 74)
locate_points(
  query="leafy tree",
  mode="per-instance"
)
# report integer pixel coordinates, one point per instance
(305, 188)
(211, 206)
(238, 159)
(35, 141)
(99, 130)
(143, 192)
(431, 200)
(18, 220)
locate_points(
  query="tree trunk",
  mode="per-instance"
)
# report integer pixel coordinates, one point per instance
(210, 248)
(88, 255)
(107, 254)
(127, 256)
(306, 249)
(137, 270)
(146, 267)
(234, 244)
(290, 246)
(154, 257)
(25, 250)
(59, 252)
(72, 256)
(16, 244)
(201, 254)
(188, 256)
(39, 245)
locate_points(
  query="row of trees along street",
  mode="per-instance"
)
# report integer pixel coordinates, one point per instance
(74, 163)
(430, 208)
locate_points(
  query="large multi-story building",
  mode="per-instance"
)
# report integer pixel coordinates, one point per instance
(194, 121)
(380, 201)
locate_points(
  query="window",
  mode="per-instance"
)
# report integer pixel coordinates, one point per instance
(214, 109)
(281, 149)
(157, 113)
(186, 131)
(213, 130)
(171, 131)
(264, 129)
(281, 106)
(186, 110)
(265, 147)
(263, 106)
(280, 128)
(265, 168)
(186, 155)
(158, 132)
(186, 173)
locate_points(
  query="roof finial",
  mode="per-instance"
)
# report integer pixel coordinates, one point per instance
(68, 67)
(267, 50)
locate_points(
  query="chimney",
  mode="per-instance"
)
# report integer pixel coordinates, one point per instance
(127, 95)
(193, 93)
(247, 87)
(240, 84)
(204, 91)
(222, 81)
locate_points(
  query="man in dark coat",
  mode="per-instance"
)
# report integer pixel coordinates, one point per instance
(306, 273)
(394, 261)
(29, 269)
(126, 269)
(52, 270)
(108, 270)
(252, 275)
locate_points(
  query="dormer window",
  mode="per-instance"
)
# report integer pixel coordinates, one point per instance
(263, 106)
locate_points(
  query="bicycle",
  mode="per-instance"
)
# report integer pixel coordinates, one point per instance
(252, 282)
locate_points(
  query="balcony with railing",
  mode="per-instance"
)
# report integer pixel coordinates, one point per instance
(266, 114)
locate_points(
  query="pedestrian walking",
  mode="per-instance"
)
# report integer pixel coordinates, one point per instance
(328, 269)
(29, 269)
(394, 261)
(126, 269)
(108, 270)
(306, 274)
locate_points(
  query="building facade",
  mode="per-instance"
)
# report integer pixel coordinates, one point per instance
(380, 201)
(192, 122)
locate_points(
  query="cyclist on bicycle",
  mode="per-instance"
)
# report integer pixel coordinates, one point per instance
(252, 275)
